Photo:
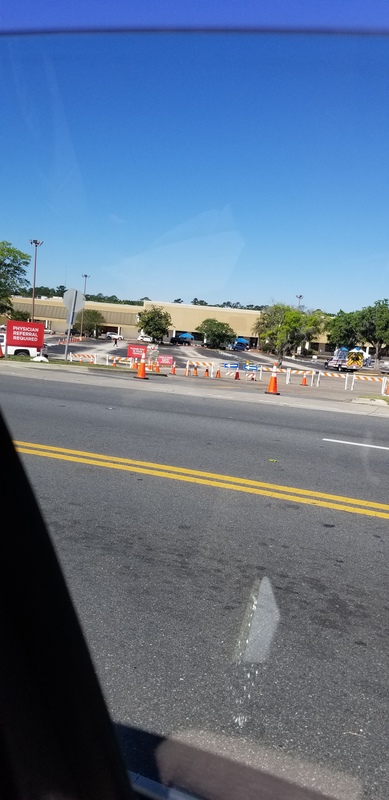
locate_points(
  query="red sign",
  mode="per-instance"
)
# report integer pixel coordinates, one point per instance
(165, 360)
(31, 334)
(136, 350)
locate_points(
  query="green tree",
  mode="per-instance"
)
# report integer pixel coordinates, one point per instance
(178, 300)
(314, 323)
(215, 332)
(283, 328)
(268, 326)
(47, 291)
(41, 291)
(23, 316)
(132, 302)
(372, 325)
(13, 279)
(92, 322)
(197, 302)
(155, 322)
(342, 329)
(230, 304)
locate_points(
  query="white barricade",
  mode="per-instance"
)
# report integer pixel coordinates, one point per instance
(206, 364)
(120, 360)
(79, 357)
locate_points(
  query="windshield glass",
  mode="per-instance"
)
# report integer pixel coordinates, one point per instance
(213, 219)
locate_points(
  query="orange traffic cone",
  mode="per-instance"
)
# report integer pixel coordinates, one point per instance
(142, 369)
(272, 388)
(1, 352)
(173, 369)
(304, 380)
(195, 373)
(237, 376)
(218, 373)
(206, 372)
(157, 367)
(114, 362)
(387, 384)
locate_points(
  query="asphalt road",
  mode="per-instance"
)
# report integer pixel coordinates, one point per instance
(166, 570)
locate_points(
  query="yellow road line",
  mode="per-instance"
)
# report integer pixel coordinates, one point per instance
(200, 473)
(231, 483)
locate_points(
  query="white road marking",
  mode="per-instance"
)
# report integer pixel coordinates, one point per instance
(260, 624)
(357, 444)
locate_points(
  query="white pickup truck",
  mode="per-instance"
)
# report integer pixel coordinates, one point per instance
(21, 350)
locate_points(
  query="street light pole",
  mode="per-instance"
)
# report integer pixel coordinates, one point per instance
(299, 298)
(82, 312)
(36, 244)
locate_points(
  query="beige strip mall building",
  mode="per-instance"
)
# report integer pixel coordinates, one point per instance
(123, 319)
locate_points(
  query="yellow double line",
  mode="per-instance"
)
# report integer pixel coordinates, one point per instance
(292, 494)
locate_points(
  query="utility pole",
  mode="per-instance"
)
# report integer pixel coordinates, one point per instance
(82, 312)
(299, 299)
(36, 243)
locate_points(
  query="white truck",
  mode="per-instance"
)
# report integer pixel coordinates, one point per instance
(345, 360)
(21, 349)
(384, 367)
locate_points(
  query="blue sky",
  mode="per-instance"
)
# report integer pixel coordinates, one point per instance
(244, 167)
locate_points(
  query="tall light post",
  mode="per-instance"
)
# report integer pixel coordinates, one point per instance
(36, 244)
(299, 299)
(82, 312)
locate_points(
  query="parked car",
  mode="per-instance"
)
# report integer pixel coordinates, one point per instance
(143, 338)
(113, 335)
(240, 346)
(177, 340)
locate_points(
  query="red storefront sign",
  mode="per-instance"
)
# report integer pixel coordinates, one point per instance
(166, 361)
(136, 350)
(19, 333)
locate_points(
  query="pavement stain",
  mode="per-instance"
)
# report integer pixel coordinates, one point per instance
(324, 621)
(317, 584)
(339, 614)
(372, 687)
(287, 589)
